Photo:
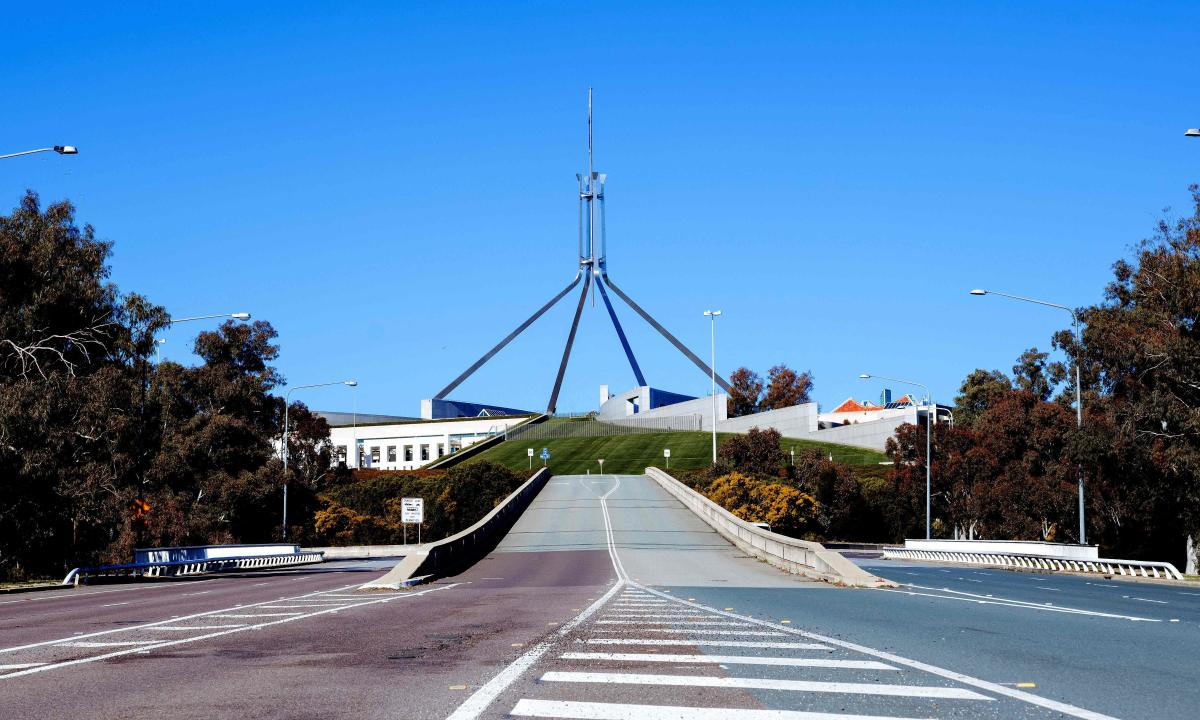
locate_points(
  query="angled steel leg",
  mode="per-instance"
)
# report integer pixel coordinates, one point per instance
(633, 363)
(521, 328)
(562, 367)
(663, 331)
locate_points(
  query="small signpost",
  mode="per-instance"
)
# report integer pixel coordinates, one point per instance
(667, 455)
(545, 456)
(530, 451)
(601, 461)
(412, 510)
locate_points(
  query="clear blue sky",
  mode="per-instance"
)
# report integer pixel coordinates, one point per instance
(392, 185)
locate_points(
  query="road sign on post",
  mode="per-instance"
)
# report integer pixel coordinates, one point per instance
(530, 452)
(667, 455)
(601, 461)
(545, 456)
(412, 510)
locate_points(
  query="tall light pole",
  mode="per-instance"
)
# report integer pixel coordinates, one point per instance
(60, 149)
(287, 403)
(1078, 327)
(235, 316)
(1192, 132)
(712, 315)
(929, 418)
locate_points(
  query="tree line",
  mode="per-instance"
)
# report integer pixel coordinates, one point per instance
(102, 449)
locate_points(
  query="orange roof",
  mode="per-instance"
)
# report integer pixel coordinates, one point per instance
(852, 405)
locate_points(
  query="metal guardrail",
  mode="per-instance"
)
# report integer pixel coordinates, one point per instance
(1133, 568)
(176, 568)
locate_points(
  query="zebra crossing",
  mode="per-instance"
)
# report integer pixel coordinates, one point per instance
(612, 667)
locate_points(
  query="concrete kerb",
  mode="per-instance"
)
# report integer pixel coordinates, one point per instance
(800, 557)
(463, 549)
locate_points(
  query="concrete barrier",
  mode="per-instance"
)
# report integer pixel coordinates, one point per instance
(801, 557)
(1108, 567)
(365, 552)
(466, 548)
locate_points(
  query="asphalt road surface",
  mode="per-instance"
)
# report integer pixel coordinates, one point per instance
(608, 599)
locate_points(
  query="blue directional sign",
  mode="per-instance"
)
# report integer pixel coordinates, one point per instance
(545, 454)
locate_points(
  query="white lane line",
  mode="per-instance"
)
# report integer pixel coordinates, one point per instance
(1008, 602)
(1160, 602)
(709, 643)
(687, 615)
(197, 627)
(479, 701)
(110, 643)
(724, 623)
(260, 584)
(182, 641)
(729, 660)
(202, 592)
(1182, 593)
(571, 710)
(116, 604)
(293, 607)
(1043, 587)
(1102, 584)
(701, 631)
(1030, 698)
(931, 691)
(256, 615)
(19, 666)
(168, 621)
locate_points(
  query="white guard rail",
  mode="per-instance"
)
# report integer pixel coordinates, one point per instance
(801, 557)
(1134, 568)
(176, 568)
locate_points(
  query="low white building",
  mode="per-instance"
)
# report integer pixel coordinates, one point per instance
(397, 443)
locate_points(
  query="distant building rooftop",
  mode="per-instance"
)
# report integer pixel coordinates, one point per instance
(345, 419)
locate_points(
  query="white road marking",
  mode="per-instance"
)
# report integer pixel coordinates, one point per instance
(256, 615)
(729, 660)
(182, 641)
(116, 604)
(725, 623)
(484, 696)
(202, 592)
(690, 615)
(19, 666)
(1160, 602)
(197, 627)
(1103, 584)
(174, 619)
(1043, 587)
(292, 607)
(701, 631)
(614, 711)
(943, 693)
(110, 643)
(995, 688)
(709, 643)
(1008, 602)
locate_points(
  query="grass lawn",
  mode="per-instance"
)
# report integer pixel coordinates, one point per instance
(632, 454)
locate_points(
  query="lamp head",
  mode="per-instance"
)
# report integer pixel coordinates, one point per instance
(977, 291)
(350, 383)
(240, 316)
(712, 313)
(1192, 132)
(864, 376)
(66, 149)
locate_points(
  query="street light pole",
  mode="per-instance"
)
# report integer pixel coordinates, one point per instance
(712, 315)
(283, 450)
(1077, 326)
(929, 418)
(235, 316)
(60, 149)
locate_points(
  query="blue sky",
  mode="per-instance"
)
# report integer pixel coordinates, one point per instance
(392, 185)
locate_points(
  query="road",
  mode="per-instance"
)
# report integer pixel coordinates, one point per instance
(608, 599)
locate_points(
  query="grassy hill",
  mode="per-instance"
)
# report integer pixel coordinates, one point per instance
(632, 454)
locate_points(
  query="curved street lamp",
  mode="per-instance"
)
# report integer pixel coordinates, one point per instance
(235, 316)
(60, 149)
(712, 315)
(287, 403)
(929, 417)
(1077, 325)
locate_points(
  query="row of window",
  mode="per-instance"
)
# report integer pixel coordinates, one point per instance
(391, 453)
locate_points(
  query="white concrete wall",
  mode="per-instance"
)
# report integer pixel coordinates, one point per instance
(798, 421)
(413, 435)
(871, 435)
